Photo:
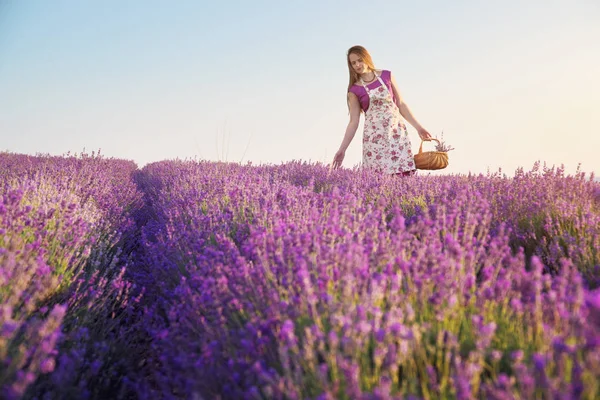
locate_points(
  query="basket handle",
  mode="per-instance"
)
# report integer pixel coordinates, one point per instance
(426, 140)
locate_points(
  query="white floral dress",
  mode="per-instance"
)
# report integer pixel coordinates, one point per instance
(386, 145)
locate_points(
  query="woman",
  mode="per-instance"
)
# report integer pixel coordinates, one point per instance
(386, 145)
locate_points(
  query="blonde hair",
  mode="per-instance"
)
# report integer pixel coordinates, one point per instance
(366, 58)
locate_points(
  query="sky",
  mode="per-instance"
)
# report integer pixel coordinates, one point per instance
(508, 82)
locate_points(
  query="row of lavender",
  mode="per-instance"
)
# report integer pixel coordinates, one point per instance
(64, 300)
(290, 282)
(287, 281)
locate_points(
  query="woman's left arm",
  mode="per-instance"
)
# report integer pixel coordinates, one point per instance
(405, 111)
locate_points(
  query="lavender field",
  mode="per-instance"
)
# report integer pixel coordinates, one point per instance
(207, 280)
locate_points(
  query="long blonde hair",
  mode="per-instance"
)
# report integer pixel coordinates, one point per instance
(366, 58)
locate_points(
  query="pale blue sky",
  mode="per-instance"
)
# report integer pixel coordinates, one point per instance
(509, 82)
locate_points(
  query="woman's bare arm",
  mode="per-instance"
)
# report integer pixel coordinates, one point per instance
(350, 130)
(354, 120)
(406, 113)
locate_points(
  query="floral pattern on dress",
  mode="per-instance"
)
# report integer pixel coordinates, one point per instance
(386, 145)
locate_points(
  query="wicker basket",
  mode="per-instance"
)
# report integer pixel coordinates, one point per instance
(431, 159)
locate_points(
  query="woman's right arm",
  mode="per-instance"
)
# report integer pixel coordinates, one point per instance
(350, 129)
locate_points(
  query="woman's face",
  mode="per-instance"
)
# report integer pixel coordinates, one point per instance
(357, 63)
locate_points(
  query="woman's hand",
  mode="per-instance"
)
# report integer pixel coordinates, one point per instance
(337, 160)
(423, 134)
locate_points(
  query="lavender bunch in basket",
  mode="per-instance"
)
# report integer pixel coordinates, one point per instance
(442, 146)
